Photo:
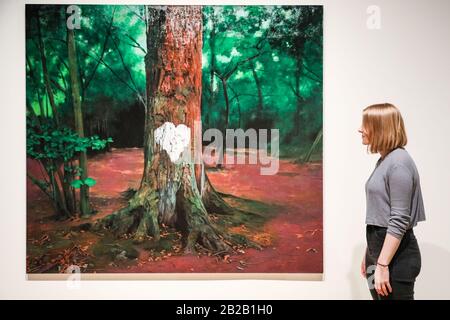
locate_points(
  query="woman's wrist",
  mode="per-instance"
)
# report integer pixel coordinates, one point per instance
(382, 264)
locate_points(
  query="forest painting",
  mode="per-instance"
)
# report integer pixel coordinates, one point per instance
(174, 140)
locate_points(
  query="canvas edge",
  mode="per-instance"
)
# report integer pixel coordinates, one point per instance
(174, 276)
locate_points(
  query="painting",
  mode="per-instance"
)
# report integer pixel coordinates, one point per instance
(174, 142)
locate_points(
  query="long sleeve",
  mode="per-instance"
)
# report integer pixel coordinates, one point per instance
(400, 180)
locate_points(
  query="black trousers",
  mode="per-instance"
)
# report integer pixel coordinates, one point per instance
(403, 269)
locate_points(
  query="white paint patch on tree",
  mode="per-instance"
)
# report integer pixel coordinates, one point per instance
(173, 139)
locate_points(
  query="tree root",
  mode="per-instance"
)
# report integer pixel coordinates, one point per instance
(213, 201)
(140, 219)
(194, 218)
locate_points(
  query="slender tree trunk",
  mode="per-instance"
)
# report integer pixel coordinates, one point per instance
(239, 114)
(227, 102)
(78, 114)
(307, 156)
(67, 190)
(212, 46)
(298, 94)
(36, 84)
(227, 120)
(259, 89)
(58, 199)
(31, 111)
(45, 71)
(62, 200)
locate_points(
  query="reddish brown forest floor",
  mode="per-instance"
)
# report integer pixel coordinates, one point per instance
(292, 236)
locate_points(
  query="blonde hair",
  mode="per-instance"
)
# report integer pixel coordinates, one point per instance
(384, 126)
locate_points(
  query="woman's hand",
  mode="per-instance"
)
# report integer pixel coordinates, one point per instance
(382, 285)
(363, 267)
(390, 246)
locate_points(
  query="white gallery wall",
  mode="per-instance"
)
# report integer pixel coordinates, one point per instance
(406, 61)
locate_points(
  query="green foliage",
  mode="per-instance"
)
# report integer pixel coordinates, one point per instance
(78, 182)
(110, 48)
(49, 144)
(278, 54)
(89, 182)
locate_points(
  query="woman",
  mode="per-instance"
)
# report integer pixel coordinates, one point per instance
(394, 206)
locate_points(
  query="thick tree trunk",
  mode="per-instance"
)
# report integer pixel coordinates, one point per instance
(173, 193)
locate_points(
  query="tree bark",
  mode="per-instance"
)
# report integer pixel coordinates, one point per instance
(259, 89)
(85, 209)
(227, 102)
(298, 94)
(212, 46)
(36, 84)
(48, 86)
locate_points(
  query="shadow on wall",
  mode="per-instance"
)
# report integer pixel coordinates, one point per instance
(433, 281)
(434, 278)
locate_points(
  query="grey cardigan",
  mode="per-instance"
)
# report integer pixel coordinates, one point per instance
(393, 194)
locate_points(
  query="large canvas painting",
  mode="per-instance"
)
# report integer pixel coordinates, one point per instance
(174, 141)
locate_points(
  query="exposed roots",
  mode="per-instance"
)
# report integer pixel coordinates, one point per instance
(213, 201)
(128, 194)
(213, 240)
(194, 219)
(140, 219)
